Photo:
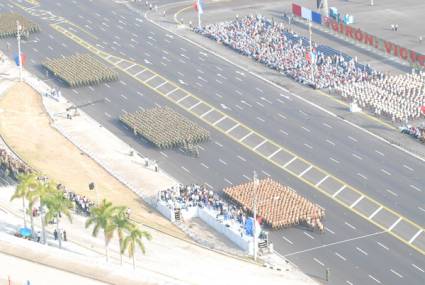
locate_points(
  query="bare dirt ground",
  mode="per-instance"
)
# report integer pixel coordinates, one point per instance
(25, 127)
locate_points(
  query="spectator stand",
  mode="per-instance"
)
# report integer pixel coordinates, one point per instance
(184, 202)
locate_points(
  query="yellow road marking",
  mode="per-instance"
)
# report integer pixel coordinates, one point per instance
(33, 2)
(180, 11)
(107, 57)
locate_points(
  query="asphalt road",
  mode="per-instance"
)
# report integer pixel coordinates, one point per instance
(350, 246)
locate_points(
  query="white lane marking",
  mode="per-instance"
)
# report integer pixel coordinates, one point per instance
(334, 243)
(107, 115)
(250, 133)
(305, 129)
(261, 119)
(259, 104)
(75, 91)
(302, 112)
(305, 171)
(374, 279)
(340, 256)
(260, 144)
(416, 188)
(246, 177)
(140, 72)
(383, 245)
(283, 132)
(289, 162)
(204, 165)
(395, 224)
(417, 267)
(350, 225)
(357, 201)
(219, 68)
(200, 71)
(422, 209)
(228, 181)
(333, 159)
(274, 153)
(222, 161)
(357, 156)
(199, 84)
(282, 116)
(396, 273)
(219, 144)
(318, 261)
(416, 235)
(150, 78)
(329, 230)
(241, 158)
(391, 192)
(386, 172)
(201, 148)
(181, 99)
(140, 93)
(353, 139)
(174, 90)
(308, 146)
(219, 120)
(232, 128)
(161, 84)
(309, 235)
(380, 153)
(127, 68)
(107, 100)
(206, 113)
(348, 282)
(163, 154)
(124, 111)
(266, 100)
(91, 88)
(408, 167)
(330, 142)
(265, 173)
(361, 250)
(287, 240)
(339, 191)
(218, 95)
(376, 212)
(362, 176)
(245, 103)
(327, 125)
(123, 96)
(259, 90)
(194, 105)
(185, 169)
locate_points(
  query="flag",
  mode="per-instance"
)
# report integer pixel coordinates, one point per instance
(23, 59)
(422, 108)
(198, 5)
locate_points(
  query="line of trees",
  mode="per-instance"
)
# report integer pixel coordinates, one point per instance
(35, 189)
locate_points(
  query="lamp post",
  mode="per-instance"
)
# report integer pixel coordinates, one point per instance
(92, 187)
(18, 37)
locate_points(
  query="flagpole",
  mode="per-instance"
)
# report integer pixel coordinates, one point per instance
(18, 36)
(199, 18)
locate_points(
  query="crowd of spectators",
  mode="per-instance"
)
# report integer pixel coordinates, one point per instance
(194, 195)
(12, 166)
(398, 97)
(269, 43)
(82, 203)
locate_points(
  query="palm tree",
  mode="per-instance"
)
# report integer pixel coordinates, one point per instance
(133, 240)
(57, 204)
(27, 183)
(121, 222)
(101, 218)
(39, 194)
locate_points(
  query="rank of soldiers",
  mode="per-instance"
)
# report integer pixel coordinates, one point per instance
(165, 128)
(80, 70)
